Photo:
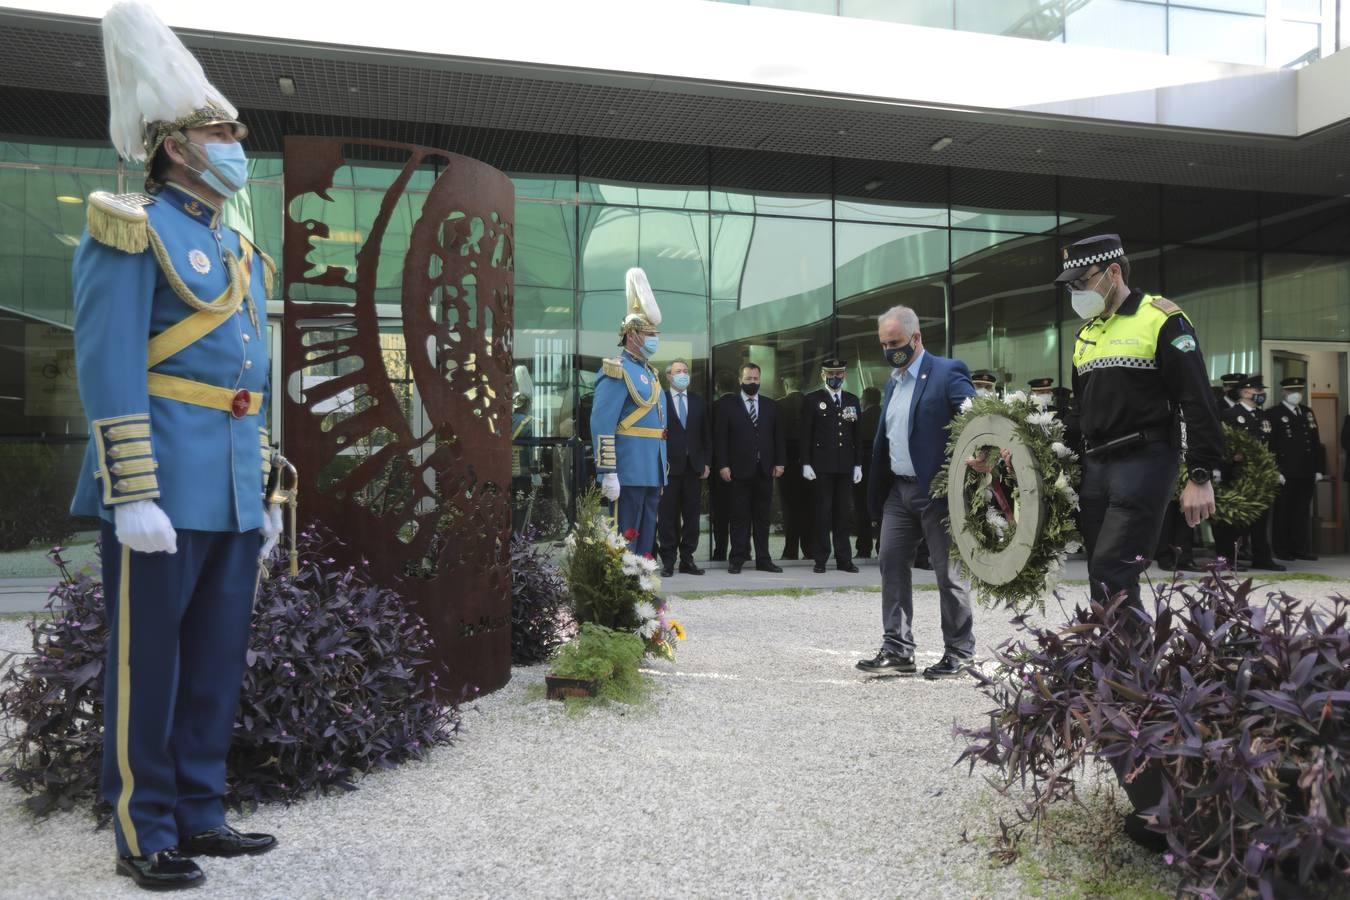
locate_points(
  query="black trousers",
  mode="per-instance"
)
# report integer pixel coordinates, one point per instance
(1293, 515)
(862, 519)
(795, 499)
(1124, 498)
(751, 500)
(719, 511)
(833, 494)
(1177, 541)
(1227, 538)
(677, 517)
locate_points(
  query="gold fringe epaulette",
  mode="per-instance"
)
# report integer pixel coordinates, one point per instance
(119, 220)
(612, 367)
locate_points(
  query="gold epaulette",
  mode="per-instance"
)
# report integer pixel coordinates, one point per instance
(119, 220)
(612, 367)
(269, 274)
(1165, 305)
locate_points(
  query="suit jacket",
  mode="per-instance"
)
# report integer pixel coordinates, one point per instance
(688, 446)
(738, 442)
(790, 409)
(830, 443)
(942, 386)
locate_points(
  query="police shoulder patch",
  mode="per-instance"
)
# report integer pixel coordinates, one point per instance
(612, 367)
(1165, 305)
(1184, 342)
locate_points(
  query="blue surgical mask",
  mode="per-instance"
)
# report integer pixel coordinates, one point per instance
(899, 357)
(1259, 399)
(227, 159)
(680, 380)
(834, 383)
(649, 344)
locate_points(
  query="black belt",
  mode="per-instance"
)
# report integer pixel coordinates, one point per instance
(1127, 441)
(908, 479)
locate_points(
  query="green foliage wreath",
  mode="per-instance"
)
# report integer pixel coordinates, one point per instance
(1250, 479)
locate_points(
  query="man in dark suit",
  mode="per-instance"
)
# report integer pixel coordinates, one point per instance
(832, 463)
(719, 492)
(867, 432)
(750, 454)
(922, 396)
(688, 444)
(794, 492)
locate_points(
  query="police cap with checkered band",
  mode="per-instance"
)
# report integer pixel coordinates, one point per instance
(1078, 258)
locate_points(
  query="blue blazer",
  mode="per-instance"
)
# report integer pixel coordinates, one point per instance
(943, 384)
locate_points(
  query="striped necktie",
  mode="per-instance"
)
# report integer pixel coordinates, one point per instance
(754, 411)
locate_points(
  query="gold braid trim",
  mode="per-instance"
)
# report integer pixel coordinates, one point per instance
(118, 220)
(269, 274)
(227, 303)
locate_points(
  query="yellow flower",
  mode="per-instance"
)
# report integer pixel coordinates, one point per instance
(678, 629)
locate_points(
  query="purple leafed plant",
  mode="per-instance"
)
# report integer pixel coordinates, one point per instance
(1226, 712)
(540, 622)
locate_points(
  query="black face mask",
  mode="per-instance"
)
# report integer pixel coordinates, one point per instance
(834, 383)
(899, 356)
(1258, 399)
(750, 389)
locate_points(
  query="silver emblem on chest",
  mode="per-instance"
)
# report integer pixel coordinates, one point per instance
(644, 379)
(200, 262)
(822, 404)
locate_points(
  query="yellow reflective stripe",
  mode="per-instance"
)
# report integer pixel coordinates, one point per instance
(134, 466)
(124, 704)
(638, 431)
(197, 394)
(127, 432)
(130, 448)
(184, 334)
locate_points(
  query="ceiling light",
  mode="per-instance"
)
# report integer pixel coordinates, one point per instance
(286, 84)
(941, 143)
(67, 198)
(873, 184)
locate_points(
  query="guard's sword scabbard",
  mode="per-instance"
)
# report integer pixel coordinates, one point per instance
(283, 486)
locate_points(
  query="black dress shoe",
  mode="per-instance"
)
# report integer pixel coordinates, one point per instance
(1308, 556)
(947, 667)
(863, 554)
(887, 662)
(848, 567)
(1283, 554)
(689, 567)
(225, 841)
(733, 568)
(166, 870)
(1188, 565)
(818, 569)
(1269, 565)
(768, 567)
(668, 570)
(1166, 563)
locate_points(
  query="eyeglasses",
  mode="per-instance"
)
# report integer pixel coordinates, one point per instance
(1081, 283)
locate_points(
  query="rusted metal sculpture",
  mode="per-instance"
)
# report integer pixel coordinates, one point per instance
(427, 505)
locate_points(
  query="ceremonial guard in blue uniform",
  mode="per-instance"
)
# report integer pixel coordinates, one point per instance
(628, 422)
(173, 367)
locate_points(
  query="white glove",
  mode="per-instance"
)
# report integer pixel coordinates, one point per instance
(144, 527)
(1319, 477)
(609, 486)
(1281, 480)
(271, 529)
(808, 473)
(857, 474)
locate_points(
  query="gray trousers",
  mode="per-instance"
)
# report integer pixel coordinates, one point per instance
(908, 514)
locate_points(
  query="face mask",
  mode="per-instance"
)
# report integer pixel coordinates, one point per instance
(750, 388)
(1293, 399)
(680, 380)
(649, 344)
(1088, 304)
(899, 356)
(983, 392)
(226, 162)
(835, 383)
(1041, 400)
(1258, 399)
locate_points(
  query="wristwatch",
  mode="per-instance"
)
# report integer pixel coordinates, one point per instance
(1200, 475)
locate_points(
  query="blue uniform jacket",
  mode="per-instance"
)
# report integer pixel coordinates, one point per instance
(628, 423)
(942, 385)
(205, 467)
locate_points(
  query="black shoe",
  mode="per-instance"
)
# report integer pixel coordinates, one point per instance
(947, 667)
(924, 563)
(719, 556)
(1269, 565)
(733, 568)
(1188, 565)
(848, 567)
(818, 569)
(1308, 556)
(166, 870)
(689, 567)
(767, 566)
(1166, 563)
(887, 662)
(863, 554)
(1137, 830)
(668, 570)
(791, 556)
(225, 841)
(1284, 554)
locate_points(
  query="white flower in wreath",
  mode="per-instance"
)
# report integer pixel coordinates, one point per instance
(616, 541)
(996, 521)
(645, 582)
(1072, 546)
(1014, 398)
(648, 629)
(1062, 451)
(1043, 419)
(966, 404)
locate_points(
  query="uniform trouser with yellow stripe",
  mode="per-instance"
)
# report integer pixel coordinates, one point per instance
(178, 635)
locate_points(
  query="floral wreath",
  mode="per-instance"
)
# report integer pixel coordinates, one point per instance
(994, 501)
(1250, 482)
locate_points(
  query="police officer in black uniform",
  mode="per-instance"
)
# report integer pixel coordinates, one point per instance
(1248, 416)
(832, 462)
(1137, 372)
(1042, 391)
(1302, 460)
(1229, 389)
(985, 381)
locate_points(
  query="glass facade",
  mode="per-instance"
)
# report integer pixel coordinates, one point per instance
(775, 259)
(1274, 33)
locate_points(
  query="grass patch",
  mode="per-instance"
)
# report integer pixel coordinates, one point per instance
(32, 562)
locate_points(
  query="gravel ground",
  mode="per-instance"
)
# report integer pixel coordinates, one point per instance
(763, 766)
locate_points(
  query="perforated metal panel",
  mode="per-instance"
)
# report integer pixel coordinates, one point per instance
(66, 58)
